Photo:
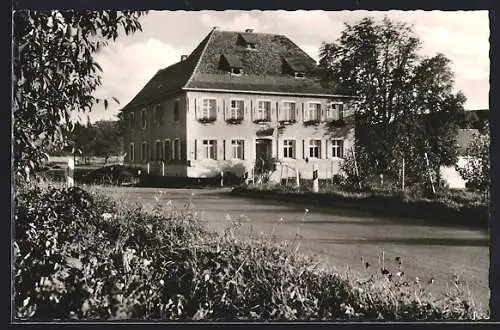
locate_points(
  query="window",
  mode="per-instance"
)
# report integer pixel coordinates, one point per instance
(237, 107)
(263, 112)
(315, 148)
(131, 152)
(176, 110)
(210, 149)
(177, 149)
(335, 111)
(250, 46)
(167, 150)
(236, 71)
(208, 109)
(158, 150)
(289, 148)
(143, 118)
(338, 148)
(158, 115)
(238, 151)
(131, 120)
(299, 74)
(288, 111)
(144, 151)
(313, 112)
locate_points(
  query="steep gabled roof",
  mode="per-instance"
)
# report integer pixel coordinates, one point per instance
(170, 79)
(263, 67)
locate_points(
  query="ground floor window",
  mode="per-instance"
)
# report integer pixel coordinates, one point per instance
(131, 152)
(315, 148)
(167, 150)
(210, 149)
(158, 150)
(289, 148)
(338, 148)
(144, 151)
(177, 149)
(238, 150)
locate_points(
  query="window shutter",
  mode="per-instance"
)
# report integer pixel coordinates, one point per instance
(251, 110)
(224, 109)
(326, 149)
(223, 149)
(277, 111)
(195, 115)
(341, 111)
(195, 149)
(303, 118)
(304, 149)
(182, 156)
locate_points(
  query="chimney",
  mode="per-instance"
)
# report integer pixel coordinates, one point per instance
(183, 57)
(249, 30)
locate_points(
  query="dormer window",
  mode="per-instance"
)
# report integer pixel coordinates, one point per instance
(295, 66)
(248, 39)
(232, 64)
(299, 74)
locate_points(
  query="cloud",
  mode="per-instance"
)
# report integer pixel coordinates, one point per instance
(127, 68)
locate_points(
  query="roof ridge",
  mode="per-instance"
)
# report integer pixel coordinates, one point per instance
(199, 58)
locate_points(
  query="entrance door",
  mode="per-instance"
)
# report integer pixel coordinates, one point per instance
(263, 149)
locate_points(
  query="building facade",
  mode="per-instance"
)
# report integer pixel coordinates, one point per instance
(237, 99)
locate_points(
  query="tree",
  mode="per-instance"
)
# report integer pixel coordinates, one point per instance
(55, 74)
(476, 171)
(402, 94)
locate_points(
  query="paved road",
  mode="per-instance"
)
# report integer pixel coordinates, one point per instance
(342, 237)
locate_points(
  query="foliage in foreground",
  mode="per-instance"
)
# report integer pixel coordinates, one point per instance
(55, 74)
(83, 256)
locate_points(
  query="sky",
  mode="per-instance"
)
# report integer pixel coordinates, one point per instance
(130, 61)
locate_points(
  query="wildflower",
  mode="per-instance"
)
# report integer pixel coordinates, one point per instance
(107, 216)
(307, 210)
(417, 280)
(147, 262)
(162, 282)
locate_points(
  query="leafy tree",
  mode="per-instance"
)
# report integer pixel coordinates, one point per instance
(408, 106)
(476, 171)
(55, 74)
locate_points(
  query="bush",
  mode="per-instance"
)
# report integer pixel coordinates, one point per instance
(80, 255)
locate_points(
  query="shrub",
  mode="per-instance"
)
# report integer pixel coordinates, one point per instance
(80, 255)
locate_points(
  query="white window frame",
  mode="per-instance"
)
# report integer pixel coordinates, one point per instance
(334, 113)
(234, 110)
(131, 152)
(287, 147)
(177, 149)
(167, 154)
(335, 147)
(235, 147)
(258, 109)
(144, 151)
(236, 71)
(205, 111)
(299, 74)
(309, 110)
(292, 114)
(131, 120)
(205, 152)
(313, 146)
(144, 123)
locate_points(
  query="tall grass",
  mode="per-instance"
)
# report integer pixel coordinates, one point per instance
(82, 255)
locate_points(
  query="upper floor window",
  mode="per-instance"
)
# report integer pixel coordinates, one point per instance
(208, 109)
(313, 112)
(338, 148)
(236, 109)
(158, 150)
(238, 150)
(263, 111)
(176, 110)
(131, 120)
(288, 111)
(315, 148)
(143, 118)
(157, 115)
(177, 149)
(335, 111)
(289, 148)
